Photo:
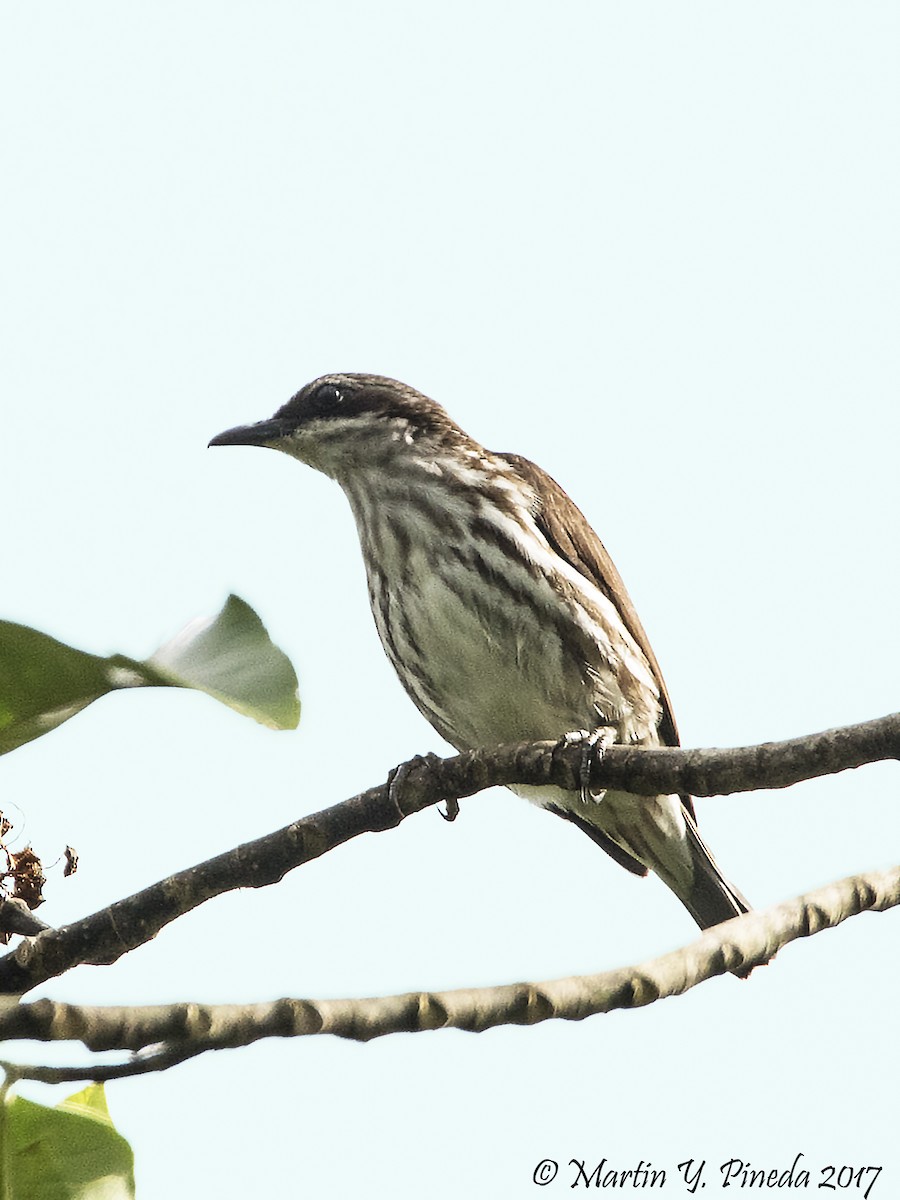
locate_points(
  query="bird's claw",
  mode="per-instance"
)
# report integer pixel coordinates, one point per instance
(397, 779)
(594, 744)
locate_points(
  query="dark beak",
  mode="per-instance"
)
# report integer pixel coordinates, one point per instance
(263, 433)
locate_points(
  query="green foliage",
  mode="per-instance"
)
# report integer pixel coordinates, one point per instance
(43, 682)
(232, 659)
(71, 1152)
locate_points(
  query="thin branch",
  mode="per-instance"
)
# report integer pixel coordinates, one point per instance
(17, 917)
(180, 1031)
(104, 936)
(143, 1064)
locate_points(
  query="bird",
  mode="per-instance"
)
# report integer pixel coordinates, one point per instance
(500, 609)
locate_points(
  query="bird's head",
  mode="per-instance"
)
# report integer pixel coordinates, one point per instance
(340, 423)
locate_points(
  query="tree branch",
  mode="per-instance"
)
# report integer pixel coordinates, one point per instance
(104, 936)
(181, 1031)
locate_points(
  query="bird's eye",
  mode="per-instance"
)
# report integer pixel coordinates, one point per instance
(327, 397)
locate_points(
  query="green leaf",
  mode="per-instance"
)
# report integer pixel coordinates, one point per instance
(43, 682)
(72, 1152)
(232, 659)
(90, 1101)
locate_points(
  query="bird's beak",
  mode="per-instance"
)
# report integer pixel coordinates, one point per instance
(263, 433)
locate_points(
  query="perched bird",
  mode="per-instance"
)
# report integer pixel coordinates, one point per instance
(499, 607)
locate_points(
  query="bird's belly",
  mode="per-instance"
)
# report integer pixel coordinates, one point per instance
(486, 678)
(484, 672)
(488, 692)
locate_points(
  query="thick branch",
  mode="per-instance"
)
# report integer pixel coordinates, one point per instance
(656, 772)
(103, 937)
(181, 1031)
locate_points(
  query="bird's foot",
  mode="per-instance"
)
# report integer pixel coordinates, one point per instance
(399, 776)
(594, 744)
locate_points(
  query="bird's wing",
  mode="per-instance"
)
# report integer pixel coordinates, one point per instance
(570, 535)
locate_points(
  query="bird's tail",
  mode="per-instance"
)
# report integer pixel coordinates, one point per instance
(661, 837)
(710, 899)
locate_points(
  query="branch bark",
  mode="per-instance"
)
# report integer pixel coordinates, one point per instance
(104, 936)
(181, 1031)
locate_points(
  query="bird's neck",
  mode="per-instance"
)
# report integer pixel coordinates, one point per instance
(450, 485)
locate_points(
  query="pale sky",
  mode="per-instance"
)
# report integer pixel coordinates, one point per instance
(652, 246)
